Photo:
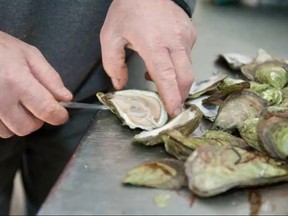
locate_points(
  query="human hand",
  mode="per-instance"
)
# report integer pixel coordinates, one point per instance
(162, 34)
(29, 89)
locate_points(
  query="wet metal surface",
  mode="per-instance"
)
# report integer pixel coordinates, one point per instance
(91, 182)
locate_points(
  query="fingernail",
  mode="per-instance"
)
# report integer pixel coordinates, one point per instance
(116, 83)
(65, 92)
(177, 111)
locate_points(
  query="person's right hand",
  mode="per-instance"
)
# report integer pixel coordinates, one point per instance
(29, 89)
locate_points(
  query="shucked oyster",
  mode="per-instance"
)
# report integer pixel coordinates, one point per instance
(213, 169)
(237, 108)
(136, 108)
(186, 122)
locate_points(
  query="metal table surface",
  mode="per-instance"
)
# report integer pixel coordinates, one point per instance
(91, 182)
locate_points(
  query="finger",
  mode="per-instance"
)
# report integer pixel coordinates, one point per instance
(20, 121)
(163, 74)
(113, 57)
(42, 104)
(4, 131)
(46, 74)
(184, 74)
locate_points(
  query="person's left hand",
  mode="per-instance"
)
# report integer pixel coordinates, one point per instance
(162, 34)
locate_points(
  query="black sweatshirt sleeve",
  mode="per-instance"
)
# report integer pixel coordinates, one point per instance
(187, 5)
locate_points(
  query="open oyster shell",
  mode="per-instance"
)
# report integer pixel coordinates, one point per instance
(235, 60)
(272, 131)
(213, 169)
(200, 88)
(209, 112)
(164, 174)
(136, 108)
(186, 122)
(237, 108)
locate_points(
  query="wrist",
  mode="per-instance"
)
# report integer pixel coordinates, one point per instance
(184, 6)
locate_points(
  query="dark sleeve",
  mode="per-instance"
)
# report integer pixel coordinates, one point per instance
(187, 5)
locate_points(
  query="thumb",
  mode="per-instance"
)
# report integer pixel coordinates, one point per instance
(113, 57)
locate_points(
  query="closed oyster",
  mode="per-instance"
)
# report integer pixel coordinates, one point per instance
(270, 94)
(164, 174)
(248, 131)
(181, 146)
(273, 73)
(186, 122)
(223, 138)
(136, 108)
(202, 87)
(272, 131)
(237, 108)
(248, 70)
(213, 169)
(218, 97)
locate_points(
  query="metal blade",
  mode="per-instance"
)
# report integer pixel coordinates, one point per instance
(76, 105)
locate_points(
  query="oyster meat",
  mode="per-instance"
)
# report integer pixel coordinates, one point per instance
(164, 174)
(186, 122)
(214, 169)
(136, 108)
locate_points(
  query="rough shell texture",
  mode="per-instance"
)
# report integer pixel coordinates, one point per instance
(213, 169)
(237, 108)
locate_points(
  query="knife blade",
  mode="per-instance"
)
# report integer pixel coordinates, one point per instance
(76, 105)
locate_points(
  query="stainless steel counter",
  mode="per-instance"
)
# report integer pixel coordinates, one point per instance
(91, 182)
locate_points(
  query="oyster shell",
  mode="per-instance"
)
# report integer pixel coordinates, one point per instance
(181, 146)
(223, 138)
(213, 169)
(218, 97)
(204, 86)
(237, 108)
(270, 94)
(186, 122)
(164, 174)
(248, 70)
(136, 108)
(272, 131)
(273, 73)
(209, 112)
(248, 131)
(236, 60)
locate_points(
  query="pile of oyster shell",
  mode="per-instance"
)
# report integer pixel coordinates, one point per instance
(245, 145)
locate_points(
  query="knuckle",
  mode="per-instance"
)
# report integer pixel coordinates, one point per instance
(49, 111)
(34, 50)
(30, 126)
